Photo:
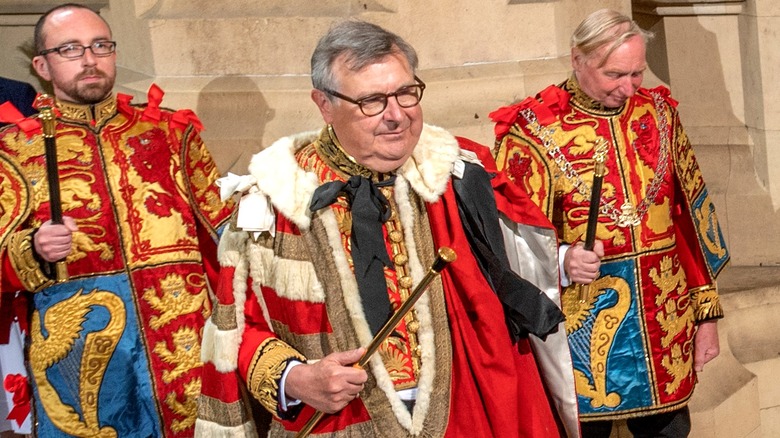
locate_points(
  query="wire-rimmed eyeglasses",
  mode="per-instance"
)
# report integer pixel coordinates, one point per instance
(374, 104)
(72, 50)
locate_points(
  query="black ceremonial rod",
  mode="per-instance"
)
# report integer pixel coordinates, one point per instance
(593, 212)
(46, 108)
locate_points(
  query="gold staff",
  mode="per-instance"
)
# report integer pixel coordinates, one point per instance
(444, 257)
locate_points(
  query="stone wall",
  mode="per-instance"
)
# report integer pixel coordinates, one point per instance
(242, 65)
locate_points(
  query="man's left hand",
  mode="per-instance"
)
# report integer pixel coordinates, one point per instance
(706, 345)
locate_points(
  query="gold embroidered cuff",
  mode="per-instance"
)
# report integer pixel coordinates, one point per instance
(706, 303)
(20, 252)
(265, 370)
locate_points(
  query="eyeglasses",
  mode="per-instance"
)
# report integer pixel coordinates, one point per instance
(72, 51)
(374, 104)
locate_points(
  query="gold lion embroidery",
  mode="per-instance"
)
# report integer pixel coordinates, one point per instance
(64, 324)
(175, 300)
(669, 277)
(677, 367)
(187, 409)
(666, 279)
(185, 355)
(84, 240)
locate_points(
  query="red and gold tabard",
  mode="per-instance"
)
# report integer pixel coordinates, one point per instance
(116, 348)
(632, 339)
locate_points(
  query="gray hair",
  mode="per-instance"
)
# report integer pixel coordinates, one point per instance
(363, 43)
(603, 27)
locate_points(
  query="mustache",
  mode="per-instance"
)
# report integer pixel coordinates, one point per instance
(91, 72)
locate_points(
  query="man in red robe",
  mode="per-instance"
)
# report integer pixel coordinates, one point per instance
(334, 231)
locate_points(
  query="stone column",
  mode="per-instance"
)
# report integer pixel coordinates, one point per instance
(719, 59)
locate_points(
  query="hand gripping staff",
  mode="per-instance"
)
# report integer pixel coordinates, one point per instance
(45, 104)
(445, 256)
(593, 210)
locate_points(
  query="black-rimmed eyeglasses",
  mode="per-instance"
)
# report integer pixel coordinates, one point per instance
(374, 104)
(72, 51)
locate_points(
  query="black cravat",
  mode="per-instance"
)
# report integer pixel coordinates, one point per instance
(370, 209)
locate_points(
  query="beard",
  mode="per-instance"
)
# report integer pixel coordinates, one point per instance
(89, 93)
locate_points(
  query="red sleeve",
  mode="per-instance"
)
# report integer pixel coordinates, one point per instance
(10, 281)
(691, 257)
(256, 331)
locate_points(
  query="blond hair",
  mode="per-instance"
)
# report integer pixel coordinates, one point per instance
(605, 27)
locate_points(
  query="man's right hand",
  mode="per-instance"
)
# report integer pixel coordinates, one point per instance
(329, 384)
(52, 242)
(582, 266)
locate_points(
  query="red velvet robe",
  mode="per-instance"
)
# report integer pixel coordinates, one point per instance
(473, 381)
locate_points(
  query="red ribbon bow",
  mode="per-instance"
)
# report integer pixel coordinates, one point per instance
(504, 118)
(184, 117)
(17, 385)
(10, 114)
(154, 98)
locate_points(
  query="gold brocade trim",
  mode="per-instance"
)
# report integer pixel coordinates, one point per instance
(97, 114)
(224, 316)
(706, 303)
(265, 370)
(217, 411)
(582, 100)
(20, 251)
(334, 155)
(636, 413)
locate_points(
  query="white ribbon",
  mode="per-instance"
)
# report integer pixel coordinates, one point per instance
(255, 213)
(459, 166)
(233, 183)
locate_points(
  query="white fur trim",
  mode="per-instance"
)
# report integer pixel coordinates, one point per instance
(231, 245)
(278, 175)
(346, 277)
(208, 429)
(220, 347)
(290, 188)
(354, 305)
(239, 293)
(297, 280)
(260, 259)
(430, 166)
(425, 336)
